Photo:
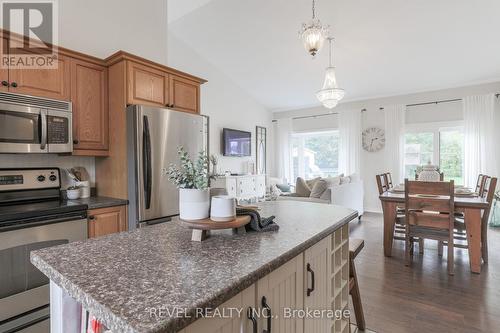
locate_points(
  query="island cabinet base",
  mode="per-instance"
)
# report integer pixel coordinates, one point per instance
(308, 294)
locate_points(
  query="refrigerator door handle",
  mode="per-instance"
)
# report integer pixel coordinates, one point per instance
(146, 160)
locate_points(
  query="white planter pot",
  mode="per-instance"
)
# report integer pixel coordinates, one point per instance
(194, 204)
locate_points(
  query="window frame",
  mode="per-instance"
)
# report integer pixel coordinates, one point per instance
(302, 134)
(436, 128)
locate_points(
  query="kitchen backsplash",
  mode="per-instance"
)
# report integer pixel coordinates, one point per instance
(50, 160)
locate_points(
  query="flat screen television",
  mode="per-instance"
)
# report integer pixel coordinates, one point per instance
(236, 143)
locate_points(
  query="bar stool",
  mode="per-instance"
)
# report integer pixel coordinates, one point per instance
(355, 246)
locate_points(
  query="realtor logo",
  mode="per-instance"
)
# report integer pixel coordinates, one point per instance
(31, 28)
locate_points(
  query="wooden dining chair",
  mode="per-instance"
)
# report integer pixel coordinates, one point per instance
(388, 180)
(430, 208)
(487, 192)
(382, 183)
(481, 179)
(355, 246)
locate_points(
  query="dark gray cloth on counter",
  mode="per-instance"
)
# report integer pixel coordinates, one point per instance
(258, 223)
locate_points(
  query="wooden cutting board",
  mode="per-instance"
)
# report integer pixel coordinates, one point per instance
(208, 224)
(201, 228)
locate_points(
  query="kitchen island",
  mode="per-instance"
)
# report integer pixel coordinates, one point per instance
(155, 279)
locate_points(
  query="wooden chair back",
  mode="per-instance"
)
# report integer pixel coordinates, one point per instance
(489, 194)
(388, 180)
(384, 182)
(480, 184)
(430, 204)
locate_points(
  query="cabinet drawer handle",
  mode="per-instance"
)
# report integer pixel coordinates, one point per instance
(75, 142)
(269, 314)
(310, 290)
(91, 217)
(250, 315)
(14, 84)
(5, 83)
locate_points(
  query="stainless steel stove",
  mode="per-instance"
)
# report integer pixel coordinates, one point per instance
(32, 216)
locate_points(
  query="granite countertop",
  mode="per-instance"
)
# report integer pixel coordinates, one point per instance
(120, 277)
(100, 202)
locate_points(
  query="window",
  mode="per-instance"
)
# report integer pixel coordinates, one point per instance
(315, 154)
(439, 145)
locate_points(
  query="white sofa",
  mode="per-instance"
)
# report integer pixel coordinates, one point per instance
(348, 195)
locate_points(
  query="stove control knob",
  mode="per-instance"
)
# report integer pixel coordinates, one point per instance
(53, 178)
(41, 178)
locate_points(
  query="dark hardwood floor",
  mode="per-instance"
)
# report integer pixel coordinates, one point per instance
(424, 298)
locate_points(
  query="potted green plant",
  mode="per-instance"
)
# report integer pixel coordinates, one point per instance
(192, 178)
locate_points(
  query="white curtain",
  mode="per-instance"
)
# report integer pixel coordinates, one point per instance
(479, 133)
(350, 141)
(394, 138)
(282, 149)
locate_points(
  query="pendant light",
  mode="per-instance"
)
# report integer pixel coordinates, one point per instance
(313, 33)
(330, 94)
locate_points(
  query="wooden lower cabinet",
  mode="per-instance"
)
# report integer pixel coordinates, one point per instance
(104, 221)
(291, 287)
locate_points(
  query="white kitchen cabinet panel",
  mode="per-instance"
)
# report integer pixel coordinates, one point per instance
(317, 285)
(282, 290)
(238, 323)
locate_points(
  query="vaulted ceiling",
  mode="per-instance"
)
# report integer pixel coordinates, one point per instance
(382, 47)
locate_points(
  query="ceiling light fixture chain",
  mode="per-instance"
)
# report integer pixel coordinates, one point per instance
(330, 94)
(313, 33)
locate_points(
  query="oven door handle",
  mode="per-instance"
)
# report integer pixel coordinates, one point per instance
(33, 222)
(43, 132)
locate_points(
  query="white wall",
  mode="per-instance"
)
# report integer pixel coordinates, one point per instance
(102, 27)
(224, 102)
(375, 163)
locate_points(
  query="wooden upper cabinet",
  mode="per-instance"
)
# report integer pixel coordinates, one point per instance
(184, 94)
(146, 85)
(49, 83)
(89, 94)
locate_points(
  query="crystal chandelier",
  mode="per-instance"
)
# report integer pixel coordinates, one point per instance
(330, 94)
(313, 33)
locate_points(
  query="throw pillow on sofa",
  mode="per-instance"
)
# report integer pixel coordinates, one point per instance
(319, 187)
(310, 183)
(334, 181)
(301, 188)
(283, 187)
(327, 195)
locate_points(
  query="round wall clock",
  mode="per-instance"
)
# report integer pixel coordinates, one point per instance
(373, 139)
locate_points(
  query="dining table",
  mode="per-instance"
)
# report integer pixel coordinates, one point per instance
(470, 206)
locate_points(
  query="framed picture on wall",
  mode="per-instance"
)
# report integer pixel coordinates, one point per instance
(261, 149)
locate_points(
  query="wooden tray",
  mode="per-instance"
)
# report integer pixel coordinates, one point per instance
(201, 228)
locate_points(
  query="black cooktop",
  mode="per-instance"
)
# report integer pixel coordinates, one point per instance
(39, 210)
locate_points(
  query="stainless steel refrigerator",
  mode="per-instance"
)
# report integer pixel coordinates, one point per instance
(153, 138)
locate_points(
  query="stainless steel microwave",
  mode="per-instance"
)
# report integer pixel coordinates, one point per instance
(34, 125)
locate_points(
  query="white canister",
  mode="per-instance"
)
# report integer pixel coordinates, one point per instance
(84, 186)
(194, 204)
(223, 208)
